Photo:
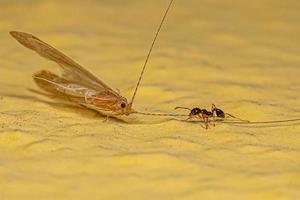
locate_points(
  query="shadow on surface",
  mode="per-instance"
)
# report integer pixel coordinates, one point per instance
(74, 108)
(256, 124)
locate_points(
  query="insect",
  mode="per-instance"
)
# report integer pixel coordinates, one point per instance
(205, 115)
(77, 84)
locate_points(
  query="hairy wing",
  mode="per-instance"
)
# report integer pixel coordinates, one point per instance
(65, 90)
(72, 71)
(55, 85)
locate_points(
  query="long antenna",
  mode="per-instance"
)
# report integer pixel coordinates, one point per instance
(149, 53)
(161, 114)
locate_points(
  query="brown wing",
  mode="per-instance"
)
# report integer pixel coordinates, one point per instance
(72, 71)
(60, 88)
(52, 83)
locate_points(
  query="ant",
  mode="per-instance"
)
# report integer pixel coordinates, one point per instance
(205, 115)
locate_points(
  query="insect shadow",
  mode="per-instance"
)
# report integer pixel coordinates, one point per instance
(71, 107)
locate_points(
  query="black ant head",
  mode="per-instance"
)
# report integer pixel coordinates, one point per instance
(195, 111)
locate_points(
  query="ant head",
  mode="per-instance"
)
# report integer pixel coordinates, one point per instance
(195, 111)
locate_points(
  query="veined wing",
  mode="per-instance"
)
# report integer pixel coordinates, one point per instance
(72, 71)
(63, 89)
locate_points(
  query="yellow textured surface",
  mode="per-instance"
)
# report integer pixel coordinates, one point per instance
(241, 55)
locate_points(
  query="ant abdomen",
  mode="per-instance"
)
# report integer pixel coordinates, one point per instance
(220, 113)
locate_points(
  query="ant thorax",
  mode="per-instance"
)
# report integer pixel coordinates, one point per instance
(206, 113)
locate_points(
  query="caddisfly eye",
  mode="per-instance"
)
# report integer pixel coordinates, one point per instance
(123, 105)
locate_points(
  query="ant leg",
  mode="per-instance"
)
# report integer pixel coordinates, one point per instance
(214, 121)
(214, 113)
(187, 119)
(204, 127)
(190, 117)
(205, 121)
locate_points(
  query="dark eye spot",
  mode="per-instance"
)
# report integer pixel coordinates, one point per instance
(123, 105)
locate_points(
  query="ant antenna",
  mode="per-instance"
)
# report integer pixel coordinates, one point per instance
(182, 108)
(230, 115)
(149, 53)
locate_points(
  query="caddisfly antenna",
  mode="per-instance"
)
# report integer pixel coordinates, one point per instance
(161, 114)
(149, 53)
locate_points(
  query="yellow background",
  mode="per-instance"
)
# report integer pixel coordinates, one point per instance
(241, 55)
